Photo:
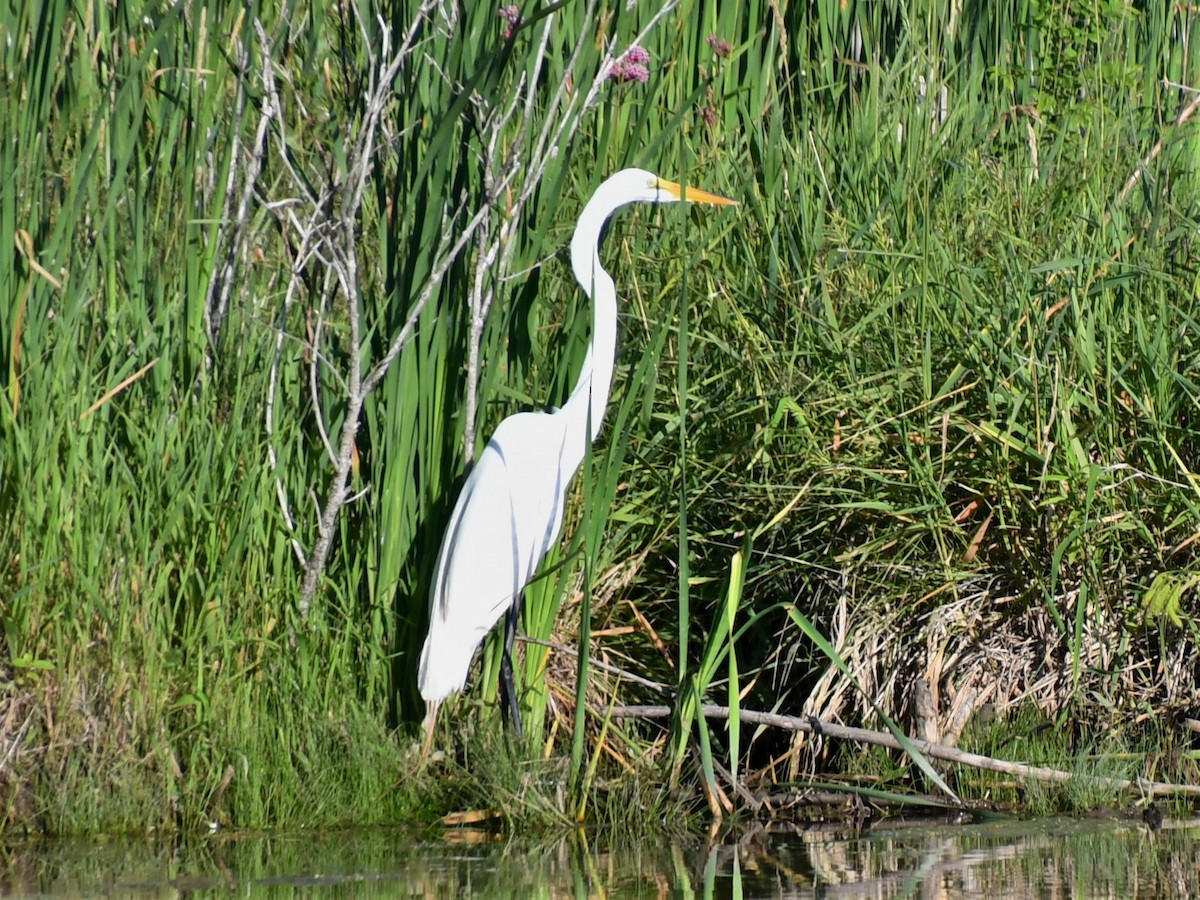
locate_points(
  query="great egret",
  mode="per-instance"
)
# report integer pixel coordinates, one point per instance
(511, 507)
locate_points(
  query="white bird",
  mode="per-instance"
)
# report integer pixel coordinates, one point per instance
(510, 510)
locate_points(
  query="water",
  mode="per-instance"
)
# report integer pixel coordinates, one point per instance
(1044, 858)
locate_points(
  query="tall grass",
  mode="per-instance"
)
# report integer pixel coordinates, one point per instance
(960, 304)
(934, 383)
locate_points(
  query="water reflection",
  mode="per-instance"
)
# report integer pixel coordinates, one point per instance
(1042, 858)
(1046, 858)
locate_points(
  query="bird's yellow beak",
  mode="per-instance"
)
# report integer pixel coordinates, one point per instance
(691, 194)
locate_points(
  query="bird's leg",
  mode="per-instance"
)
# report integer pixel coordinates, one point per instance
(507, 687)
(429, 725)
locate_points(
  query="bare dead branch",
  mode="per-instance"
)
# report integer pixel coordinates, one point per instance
(1144, 165)
(813, 725)
(435, 280)
(314, 369)
(220, 287)
(344, 264)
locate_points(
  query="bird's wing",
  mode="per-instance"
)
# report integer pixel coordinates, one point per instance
(508, 514)
(535, 446)
(506, 518)
(476, 569)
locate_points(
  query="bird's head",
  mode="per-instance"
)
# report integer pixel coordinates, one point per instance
(626, 186)
(640, 186)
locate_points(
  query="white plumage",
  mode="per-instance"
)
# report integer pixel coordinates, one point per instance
(510, 510)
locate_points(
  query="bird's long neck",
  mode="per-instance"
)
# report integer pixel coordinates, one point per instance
(595, 378)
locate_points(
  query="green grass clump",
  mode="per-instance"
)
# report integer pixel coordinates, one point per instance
(483, 772)
(1136, 749)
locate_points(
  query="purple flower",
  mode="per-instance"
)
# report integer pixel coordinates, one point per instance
(636, 56)
(512, 16)
(709, 117)
(635, 72)
(720, 46)
(632, 66)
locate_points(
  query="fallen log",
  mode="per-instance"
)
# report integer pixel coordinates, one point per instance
(812, 725)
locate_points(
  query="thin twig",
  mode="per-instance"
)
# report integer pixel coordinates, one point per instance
(314, 370)
(221, 286)
(120, 387)
(405, 334)
(1188, 112)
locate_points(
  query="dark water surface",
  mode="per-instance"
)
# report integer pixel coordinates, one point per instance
(1011, 858)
